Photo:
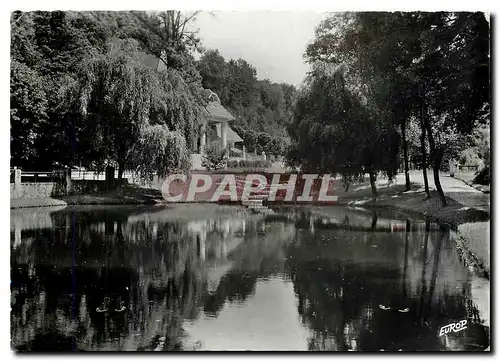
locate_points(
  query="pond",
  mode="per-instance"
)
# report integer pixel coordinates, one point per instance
(210, 277)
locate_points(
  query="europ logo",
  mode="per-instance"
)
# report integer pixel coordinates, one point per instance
(455, 327)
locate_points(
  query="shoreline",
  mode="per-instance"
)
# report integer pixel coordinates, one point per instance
(470, 182)
(415, 204)
(454, 215)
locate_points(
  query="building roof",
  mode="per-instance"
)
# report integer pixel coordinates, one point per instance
(232, 136)
(217, 112)
(215, 109)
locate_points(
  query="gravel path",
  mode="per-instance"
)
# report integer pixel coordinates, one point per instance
(453, 188)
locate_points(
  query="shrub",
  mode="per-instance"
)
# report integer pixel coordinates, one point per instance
(483, 176)
(214, 158)
(233, 164)
(160, 151)
(258, 163)
(471, 157)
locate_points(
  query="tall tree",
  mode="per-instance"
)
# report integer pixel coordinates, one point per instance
(372, 52)
(119, 100)
(260, 106)
(51, 45)
(454, 71)
(214, 72)
(170, 36)
(325, 131)
(438, 62)
(28, 114)
(81, 96)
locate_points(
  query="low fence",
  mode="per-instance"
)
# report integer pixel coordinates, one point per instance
(247, 164)
(254, 157)
(29, 185)
(97, 176)
(35, 177)
(35, 184)
(32, 190)
(466, 168)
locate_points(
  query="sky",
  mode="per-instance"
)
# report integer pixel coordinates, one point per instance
(272, 41)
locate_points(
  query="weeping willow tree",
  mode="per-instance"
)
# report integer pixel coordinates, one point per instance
(336, 130)
(135, 117)
(165, 150)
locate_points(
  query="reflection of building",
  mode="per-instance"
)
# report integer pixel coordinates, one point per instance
(149, 261)
(216, 238)
(25, 220)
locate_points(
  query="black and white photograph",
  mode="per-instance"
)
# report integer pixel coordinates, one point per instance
(253, 180)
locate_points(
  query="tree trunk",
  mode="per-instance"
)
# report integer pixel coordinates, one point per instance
(424, 161)
(373, 185)
(347, 181)
(405, 154)
(121, 167)
(120, 241)
(110, 178)
(437, 157)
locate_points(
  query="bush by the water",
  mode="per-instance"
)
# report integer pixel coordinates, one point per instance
(483, 176)
(214, 158)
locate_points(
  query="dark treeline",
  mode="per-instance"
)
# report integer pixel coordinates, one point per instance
(82, 93)
(263, 108)
(382, 87)
(376, 76)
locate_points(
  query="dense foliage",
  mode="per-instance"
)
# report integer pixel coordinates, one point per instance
(263, 108)
(214, 158)
(381, 87)
(433, 67)
(334, 131)
(81, 93)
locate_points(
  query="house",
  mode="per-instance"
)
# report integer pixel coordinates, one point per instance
(217, 132)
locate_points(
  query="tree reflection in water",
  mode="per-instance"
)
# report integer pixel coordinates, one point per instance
(130, 278)
(339, 292)
(133, 284)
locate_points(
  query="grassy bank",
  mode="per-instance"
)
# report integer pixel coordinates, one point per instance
(126, 195)
(36, 203)
(468, 178)
(470, 225)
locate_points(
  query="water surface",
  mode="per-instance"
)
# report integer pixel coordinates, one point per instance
(208, 277)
